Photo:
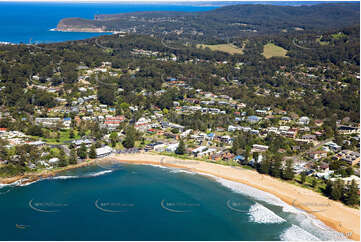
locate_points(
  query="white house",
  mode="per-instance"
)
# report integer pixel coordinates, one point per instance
(103, 151)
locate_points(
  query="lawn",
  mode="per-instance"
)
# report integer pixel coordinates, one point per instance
(321, 42)
(272, 50)
(228, 48)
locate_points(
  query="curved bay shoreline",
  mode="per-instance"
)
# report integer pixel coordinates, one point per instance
(335, 215)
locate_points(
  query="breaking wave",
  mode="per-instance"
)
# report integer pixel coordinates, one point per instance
(295, 233)
(261, 214)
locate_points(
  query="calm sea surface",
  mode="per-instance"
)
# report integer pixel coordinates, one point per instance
(23, 22)
(134, 202)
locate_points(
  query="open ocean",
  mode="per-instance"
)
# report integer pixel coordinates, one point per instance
(30, 22)
(142, 202)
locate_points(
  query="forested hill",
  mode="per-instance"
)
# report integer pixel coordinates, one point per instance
(229, 21)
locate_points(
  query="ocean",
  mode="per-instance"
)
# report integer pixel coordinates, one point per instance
(24, 22)
(31, 22)
(143, 202)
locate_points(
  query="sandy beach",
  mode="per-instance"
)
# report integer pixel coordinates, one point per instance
(334, 214)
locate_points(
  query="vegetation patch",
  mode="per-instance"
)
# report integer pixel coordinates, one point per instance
(228, 48)
(271, 50)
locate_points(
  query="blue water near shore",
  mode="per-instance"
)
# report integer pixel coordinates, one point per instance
(141, 202)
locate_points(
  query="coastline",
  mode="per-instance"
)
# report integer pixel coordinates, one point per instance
(82, 30)
(337, 216)
(35, 176)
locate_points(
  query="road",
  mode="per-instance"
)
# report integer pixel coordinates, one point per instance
(298, 158)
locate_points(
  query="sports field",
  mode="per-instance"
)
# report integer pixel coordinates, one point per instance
(272, 50)
(228, 48)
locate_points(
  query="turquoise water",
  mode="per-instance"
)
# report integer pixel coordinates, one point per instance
(134, 202)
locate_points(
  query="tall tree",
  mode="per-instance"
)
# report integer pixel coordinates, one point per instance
(92, 152)
(181, 148)
(352, 197)
(82, 151)
(129, 140)
(337, 190)
(288, 173)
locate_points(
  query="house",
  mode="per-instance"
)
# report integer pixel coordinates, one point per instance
(210, 136)
(172, 147)
(309, 137)
(53, 160)
(226, 139)
(348, 180)
(259, 148)
(159, 147)
(103, 151)
(206, 152)
(351, 157)
(348, 130)
(86, 142)
(304, 120)
(253, 119)
(186, 133)
(332, 146)
(199, 150)
(176, 126)
(47, 122)
(37, 143)
(316, 155)
(239, 158)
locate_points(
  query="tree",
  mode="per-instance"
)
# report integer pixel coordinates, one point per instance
(303, 176)
(114, 138)
(314, 183)
(63, 161)
(71, 134)
(181, 148)
(288, 173)
(352, 197)
(264, 167)
(73, 157)
(337, 190)
(129, 140)
(35, 131)
(82, 152)
(276, 168)
(92, 152)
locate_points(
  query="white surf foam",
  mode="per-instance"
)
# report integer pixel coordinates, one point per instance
(174, 170)
(99, 173)
(304, 220)
(94, 174)
(63, 177)
(323, 232)
(295, 233)
(261, 214)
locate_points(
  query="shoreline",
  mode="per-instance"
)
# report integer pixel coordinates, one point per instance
(338, 217)
(35, 176)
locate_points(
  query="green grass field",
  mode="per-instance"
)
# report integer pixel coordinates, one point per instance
(272, 50)
(228, 48)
